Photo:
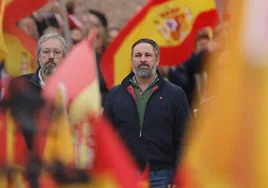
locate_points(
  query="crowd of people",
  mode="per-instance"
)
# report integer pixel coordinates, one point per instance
(151, 107)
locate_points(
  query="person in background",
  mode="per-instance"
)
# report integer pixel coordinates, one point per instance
(216, 60)
(50, 15)
(51, 29)
(28, 25)
(81, 13)
(99, 21)
(76, 36)
(184, 75)
(113, 32)
(149, 114)
(51, 49)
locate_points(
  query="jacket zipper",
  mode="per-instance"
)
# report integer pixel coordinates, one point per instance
(145, 109)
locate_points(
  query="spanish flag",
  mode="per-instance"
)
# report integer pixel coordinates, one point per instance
(13, 150)
(20, 57)
(18, 47)
(77, 73)
(58, 145)
(173, 24)
(53, 140)
(227, 145)
(113, 165)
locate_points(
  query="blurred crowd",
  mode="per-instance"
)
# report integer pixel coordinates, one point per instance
(190, 75)
(193, 75)
(81, 18)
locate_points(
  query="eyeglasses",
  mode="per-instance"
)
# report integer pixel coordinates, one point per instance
(56, 53)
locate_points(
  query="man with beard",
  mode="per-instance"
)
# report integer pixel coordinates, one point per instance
(150, 114)
(51, 49)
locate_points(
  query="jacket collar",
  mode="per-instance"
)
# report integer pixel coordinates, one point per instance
(125, 83)
(35, 78)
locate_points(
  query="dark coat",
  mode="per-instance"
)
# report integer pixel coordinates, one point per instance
(32, 79)
(24, 105)
(159, 141)
(184, 75)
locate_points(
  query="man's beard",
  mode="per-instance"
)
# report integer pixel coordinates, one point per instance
(49, 68)
(144, 73)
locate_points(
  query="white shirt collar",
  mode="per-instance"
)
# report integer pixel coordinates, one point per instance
(41, 82)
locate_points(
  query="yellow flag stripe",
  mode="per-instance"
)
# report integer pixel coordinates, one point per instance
(3, 48)
(87, 102)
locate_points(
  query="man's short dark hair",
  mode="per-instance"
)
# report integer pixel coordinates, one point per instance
(149, 41)
(101, 16)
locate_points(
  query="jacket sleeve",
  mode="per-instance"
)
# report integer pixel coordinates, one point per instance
(196, 62)
(109, 105)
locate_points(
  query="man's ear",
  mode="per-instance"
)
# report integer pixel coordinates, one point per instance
(37, 60)
(157, 60)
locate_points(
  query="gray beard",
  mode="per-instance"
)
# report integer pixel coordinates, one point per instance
(142, 73)
(49, 69)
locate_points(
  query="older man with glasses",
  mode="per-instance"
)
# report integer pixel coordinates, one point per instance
(25, 90)
(51, 49)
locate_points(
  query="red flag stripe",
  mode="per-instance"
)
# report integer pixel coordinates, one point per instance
(108, 145)
(27, 41)
(18, 9)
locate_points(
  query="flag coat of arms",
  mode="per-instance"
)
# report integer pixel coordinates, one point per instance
(173, 24)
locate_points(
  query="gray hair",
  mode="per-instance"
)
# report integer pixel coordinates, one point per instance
(149, 41)
(57, 36)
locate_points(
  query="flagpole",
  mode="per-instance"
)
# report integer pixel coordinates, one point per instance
(67, 34)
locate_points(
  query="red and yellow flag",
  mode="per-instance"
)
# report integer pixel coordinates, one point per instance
(113, 166)
(77, 73)
(173, 24)
(227, 146)
(20, 57)
(58, 145)
(13, 152)
(18, 48)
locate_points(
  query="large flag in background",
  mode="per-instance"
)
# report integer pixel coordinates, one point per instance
(173, 24)
(228, 144)
(113, 165)
(17, 48)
